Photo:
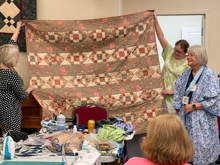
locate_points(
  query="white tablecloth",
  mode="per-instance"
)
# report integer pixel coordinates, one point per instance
(87, 158)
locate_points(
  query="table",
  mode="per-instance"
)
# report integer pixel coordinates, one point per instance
(88, 158)
(109, 159)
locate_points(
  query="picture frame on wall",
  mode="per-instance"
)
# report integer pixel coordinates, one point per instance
(11, 12)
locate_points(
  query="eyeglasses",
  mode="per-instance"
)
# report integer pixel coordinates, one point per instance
(190, 54)
(177, 51)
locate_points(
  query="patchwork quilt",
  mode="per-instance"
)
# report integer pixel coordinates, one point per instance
(110, 61)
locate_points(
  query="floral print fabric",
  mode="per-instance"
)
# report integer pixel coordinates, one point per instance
(201, 125)
(112, 62)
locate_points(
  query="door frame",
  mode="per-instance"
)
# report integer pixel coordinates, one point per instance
(191, 12)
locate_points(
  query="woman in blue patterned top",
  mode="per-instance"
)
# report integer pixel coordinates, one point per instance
(196, 101)
(11, 86)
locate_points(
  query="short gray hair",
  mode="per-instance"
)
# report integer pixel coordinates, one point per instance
(9, 55)
(200, 53)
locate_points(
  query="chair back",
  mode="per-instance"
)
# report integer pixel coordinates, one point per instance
(90, 111)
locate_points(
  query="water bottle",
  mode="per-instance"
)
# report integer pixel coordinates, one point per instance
(61, 120)
(74, 129)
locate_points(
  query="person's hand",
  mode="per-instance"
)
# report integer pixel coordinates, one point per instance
(30, 89)
(167, 92)
(155, 16)
(20, 24)
(17, 31)
(177, 111)
(188, 108)
(164, 92)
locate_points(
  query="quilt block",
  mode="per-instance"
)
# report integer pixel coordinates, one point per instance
(111, 61)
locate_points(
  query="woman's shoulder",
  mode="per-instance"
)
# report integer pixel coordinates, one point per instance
(139, 161)
(6, 71)
(9, 73)
(167, 52)
(183, 77)
(186, 72)
(208, 70)
(142, 161)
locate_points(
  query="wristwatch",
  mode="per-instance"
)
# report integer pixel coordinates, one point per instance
(194, 106)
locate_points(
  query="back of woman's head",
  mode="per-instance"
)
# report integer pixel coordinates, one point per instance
(167, 141)
(9, 55)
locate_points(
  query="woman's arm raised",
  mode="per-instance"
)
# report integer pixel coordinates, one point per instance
(159, 33)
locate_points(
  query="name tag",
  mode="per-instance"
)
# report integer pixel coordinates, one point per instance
(185, 100)
(194, 88)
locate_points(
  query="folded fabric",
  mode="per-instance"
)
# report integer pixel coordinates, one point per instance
(111, 121)
(100, 123)
(126, 127)
(48, 122)
(112, 132)
(114, 119)
(48, 126)
(81, 126)
(17, 136)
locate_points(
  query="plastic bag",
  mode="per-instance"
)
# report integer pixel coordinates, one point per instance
(35, 140)
(70, 141)
(105, 147)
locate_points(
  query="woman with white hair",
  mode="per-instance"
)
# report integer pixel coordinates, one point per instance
(11, 86)
(196, 101)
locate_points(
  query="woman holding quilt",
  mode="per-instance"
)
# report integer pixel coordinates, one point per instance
(196, 101)
(174, 64)
(11, 86)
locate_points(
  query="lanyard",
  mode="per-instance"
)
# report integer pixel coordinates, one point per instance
(194, 80)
